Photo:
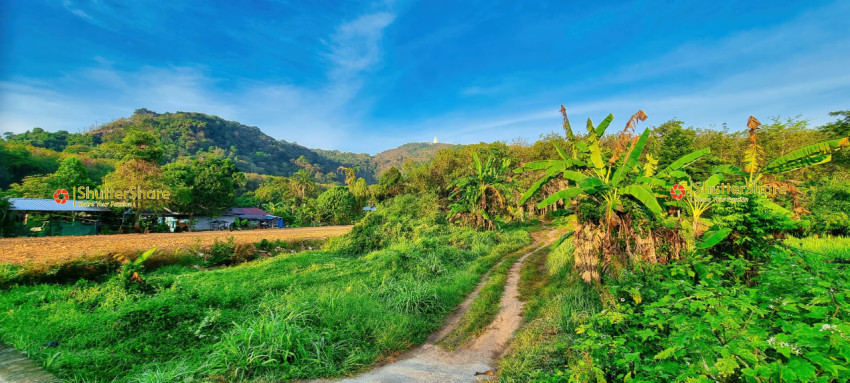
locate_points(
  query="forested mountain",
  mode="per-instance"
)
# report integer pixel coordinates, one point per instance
(189, 134)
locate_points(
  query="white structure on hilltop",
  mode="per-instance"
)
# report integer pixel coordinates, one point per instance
(435, 139)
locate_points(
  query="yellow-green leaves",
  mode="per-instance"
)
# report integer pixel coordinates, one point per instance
(631, 160)
(650, 166)
(806, 156)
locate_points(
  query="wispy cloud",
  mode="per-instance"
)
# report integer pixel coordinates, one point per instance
(316, 116)
(765, 72)
(355, 46)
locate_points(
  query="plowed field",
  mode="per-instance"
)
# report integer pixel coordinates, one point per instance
(52, 250)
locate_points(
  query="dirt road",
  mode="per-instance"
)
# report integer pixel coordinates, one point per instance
(52, 250)
(430, 363)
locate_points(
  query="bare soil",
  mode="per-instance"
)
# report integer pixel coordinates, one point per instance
(56, 250)
(471, 362)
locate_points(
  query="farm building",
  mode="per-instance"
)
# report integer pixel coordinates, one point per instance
(255, 216)
(42, 217)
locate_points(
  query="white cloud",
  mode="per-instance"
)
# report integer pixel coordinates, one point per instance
(355, 46)
(317, 116)
(795, 68)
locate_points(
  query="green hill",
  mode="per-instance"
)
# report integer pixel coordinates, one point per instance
(188, 134)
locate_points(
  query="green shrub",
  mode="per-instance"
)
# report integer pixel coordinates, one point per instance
(829, 204)
(337, 206)
(757, 225)
(698, 321)
(398, 220)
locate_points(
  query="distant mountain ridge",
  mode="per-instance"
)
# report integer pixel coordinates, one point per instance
(188, 134)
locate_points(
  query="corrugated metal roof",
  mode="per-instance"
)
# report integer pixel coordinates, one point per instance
(241, 211)
(45, 204)
(258, 216)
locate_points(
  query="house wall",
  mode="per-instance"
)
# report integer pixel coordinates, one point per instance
(203, 223)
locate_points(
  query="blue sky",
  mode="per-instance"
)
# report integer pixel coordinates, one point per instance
(368, 76)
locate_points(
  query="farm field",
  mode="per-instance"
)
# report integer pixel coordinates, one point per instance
(51, 250)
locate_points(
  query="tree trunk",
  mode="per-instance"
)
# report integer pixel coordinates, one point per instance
(588, 243)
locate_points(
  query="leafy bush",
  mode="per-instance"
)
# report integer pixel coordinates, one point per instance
(698, 321)
(399, 220)
(337, 206)
(224, 253)
(757, 225)
(830, 208)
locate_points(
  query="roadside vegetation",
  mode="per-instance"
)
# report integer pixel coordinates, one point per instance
(309, 314)
(659, 277)
(711, 291)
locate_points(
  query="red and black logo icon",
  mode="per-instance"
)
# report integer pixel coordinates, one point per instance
(60, 196)
(677, 192)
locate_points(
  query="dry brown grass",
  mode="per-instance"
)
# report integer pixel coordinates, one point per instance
(56, 250)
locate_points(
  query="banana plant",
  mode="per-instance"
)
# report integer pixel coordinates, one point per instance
(479, 199)
(810, 155)
(239, 223)
(753, 171)
(130, 269)
(611, 179)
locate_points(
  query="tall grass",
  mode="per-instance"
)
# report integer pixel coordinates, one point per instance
(295, 316)
(831, 247)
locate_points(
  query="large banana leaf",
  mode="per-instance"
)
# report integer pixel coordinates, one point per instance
(714, 237)
(630, 162)
(574, 175)
(600, 130)
(582, 146)
(477, 162)
(643, 195)
(713, 180)
(806, 156)
(561, 152)
(590, 182)
(729, 169)
(653, 181)
(535, 188)
(563, 194)
(683, 161)
(596, 156)
(539, 165)
(650, 167)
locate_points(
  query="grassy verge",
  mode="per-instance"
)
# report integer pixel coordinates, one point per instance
(831, 247)
(220, 253)
(485, 306)
(532, 275)
(557, 302)
(700, 319)
(295, 316)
